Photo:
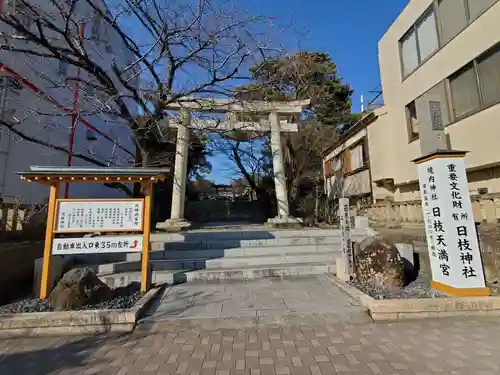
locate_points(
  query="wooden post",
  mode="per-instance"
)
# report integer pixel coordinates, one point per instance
(147, 189)
(49, 236)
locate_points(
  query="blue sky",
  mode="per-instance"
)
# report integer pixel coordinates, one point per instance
(349, 30)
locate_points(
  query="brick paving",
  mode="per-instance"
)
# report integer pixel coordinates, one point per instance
(445, 346)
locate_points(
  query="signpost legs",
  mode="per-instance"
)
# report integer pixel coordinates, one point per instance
(147, 189)
(49, 236)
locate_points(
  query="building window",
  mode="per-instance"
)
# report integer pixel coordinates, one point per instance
(409, 52)
(90, 89)
(353, 158)
(336, 164)
(412, 121)
(464, 91)
(428, 41)
(357, 157)
(452, 18)
(333, 165)
(346, 161)
(476, 7)
(488, 68)
(95, 29)
(419, 42)
(91, 135)
(62, 68)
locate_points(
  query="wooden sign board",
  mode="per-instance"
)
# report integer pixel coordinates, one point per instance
(98, 245)
(100, 215)
(454, 253)
(345, 227)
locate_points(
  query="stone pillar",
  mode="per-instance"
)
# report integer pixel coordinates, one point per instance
(177, 220)
(279, 174)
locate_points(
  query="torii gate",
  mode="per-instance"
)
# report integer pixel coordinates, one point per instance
(269, 115)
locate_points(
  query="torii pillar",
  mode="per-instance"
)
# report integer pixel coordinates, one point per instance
(279, 173)
(177, 219)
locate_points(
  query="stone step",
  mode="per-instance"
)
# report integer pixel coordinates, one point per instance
(262, 243)
(252, 235)
(246, 273)
(224, 253)
(211, 263)
(244, 251)
(215, 249)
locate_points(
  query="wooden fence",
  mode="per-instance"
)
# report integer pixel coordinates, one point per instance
(21, 222)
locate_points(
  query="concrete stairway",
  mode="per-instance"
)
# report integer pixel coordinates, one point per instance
(231, 255)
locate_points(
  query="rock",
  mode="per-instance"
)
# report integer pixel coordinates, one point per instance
(309, 221)
(77, 288)
(379, 265)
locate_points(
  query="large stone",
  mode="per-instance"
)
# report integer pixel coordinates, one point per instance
(379, 264)
(77, 288)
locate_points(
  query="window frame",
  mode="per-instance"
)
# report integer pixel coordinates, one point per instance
(467, 21)
(62, 68)
(431, 8)
(348, 170)
(482, 105)
(467, 9)
(434, 6)
(472, 64)
(490, 51)
(412, 136)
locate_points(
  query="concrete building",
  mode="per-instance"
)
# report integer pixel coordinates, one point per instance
(39, 95)
(439, 58)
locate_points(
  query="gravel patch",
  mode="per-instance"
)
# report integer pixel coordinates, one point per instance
(123, 298)
(420, 288)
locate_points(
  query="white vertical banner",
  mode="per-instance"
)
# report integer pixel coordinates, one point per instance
(345, 227)
(454, 252)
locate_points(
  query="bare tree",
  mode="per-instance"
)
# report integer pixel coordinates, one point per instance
(128, 57)
(248, 159)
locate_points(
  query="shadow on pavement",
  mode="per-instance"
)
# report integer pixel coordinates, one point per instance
(47, 355)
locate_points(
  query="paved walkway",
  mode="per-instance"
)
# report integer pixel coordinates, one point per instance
(244, 304)
(460, 347)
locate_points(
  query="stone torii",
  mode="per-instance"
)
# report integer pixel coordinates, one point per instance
(268, 116)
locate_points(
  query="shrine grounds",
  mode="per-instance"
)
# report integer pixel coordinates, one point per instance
(245, 328)
(424, 347)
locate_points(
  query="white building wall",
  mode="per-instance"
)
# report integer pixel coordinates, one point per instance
(41, 119)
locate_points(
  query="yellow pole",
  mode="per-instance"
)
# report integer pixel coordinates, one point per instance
(147, 191)
(49, 236)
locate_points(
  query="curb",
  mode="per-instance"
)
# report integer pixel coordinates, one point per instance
(421, 308)
(254, 321)
(75, 322)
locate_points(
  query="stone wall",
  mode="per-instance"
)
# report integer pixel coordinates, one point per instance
(486, 209)
(22, 229)
(17, 268)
